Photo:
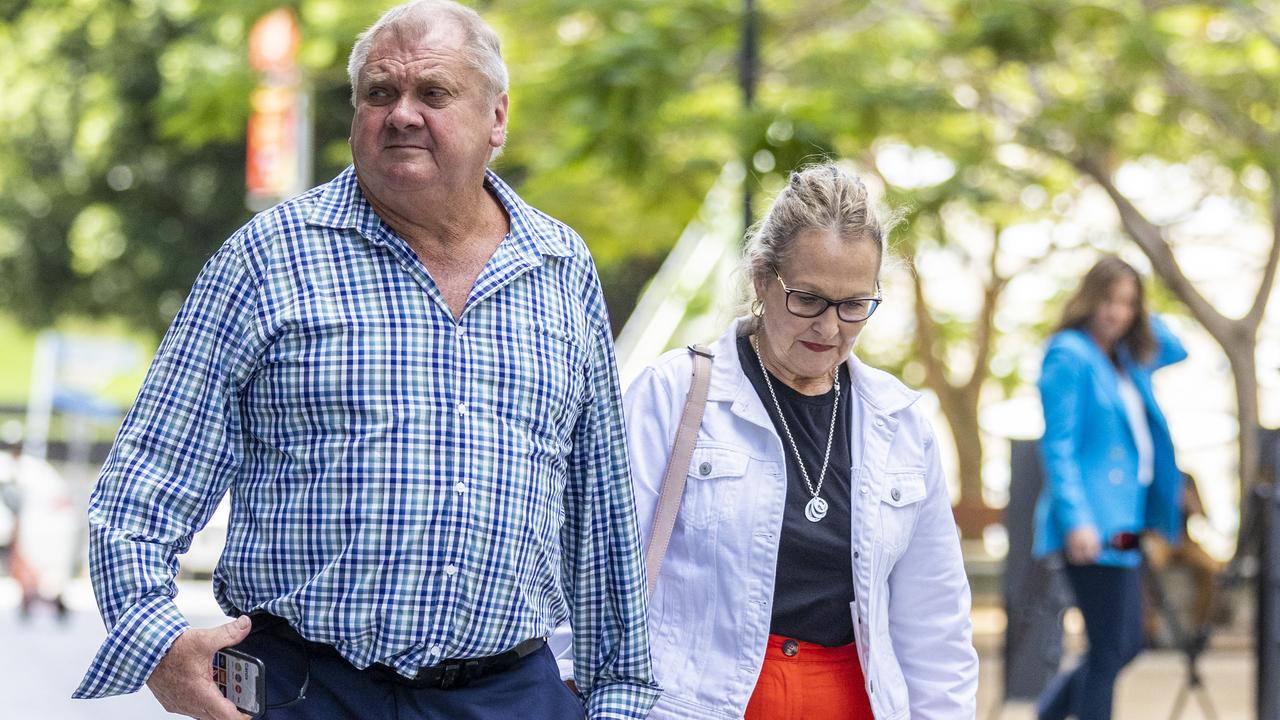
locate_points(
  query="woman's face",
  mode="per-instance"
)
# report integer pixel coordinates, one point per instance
(803, 352)
(1113, 317)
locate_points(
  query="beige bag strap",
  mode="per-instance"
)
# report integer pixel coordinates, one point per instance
(664, 518)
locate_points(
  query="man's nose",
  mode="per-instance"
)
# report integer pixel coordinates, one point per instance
(406, 113)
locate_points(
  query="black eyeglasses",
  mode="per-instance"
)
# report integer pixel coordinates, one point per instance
(807, 305)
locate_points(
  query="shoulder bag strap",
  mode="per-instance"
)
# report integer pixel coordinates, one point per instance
(664, 518)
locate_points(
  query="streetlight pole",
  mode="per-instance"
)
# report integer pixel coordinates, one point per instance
(747, 69)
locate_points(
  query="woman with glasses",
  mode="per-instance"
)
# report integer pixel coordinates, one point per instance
(814, 570)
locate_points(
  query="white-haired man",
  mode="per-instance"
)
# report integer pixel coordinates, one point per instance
(405, 379)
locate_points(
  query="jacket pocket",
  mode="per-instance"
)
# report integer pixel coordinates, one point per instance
(899, 505)
(711, 488)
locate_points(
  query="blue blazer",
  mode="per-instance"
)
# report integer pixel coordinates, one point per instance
(1090, 457)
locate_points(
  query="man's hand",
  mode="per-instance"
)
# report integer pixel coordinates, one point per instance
(1083, 545)
(183, 681)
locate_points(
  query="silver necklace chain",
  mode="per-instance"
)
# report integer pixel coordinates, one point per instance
(817, 507)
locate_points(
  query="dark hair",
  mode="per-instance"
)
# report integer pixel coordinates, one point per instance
(1094, 290)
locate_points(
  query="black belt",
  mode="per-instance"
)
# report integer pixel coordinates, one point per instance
(446, 675)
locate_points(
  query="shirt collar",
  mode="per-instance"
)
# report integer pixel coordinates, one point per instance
(342, 205)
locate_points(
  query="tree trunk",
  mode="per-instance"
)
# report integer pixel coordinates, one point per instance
(1242, 356)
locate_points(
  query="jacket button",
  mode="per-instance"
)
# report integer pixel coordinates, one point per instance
(896, 494)
(790, 648)
(705, 468)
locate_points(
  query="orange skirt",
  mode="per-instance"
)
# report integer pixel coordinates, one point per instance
(815, 683)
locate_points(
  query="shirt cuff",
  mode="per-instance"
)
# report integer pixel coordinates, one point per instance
(621, 701)
(134, 646)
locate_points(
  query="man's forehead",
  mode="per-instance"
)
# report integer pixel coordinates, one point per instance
(421, 66)
(418, 38)
(417, 49)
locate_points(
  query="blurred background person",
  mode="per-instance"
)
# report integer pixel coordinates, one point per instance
(43, 541)
(1110, 472)
(1202, 570)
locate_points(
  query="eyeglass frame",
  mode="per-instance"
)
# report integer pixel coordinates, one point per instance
(827, 303)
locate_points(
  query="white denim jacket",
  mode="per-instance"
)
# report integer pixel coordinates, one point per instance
(709, 616)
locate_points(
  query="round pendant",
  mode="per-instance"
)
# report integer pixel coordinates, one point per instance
(815, 510)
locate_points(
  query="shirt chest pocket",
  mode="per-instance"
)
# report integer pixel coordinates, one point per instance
(713, 485)
(900, 500)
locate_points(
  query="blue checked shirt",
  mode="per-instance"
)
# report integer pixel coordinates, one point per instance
(404, 487)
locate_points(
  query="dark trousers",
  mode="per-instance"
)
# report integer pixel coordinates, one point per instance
(530, 690)
(1110, 599)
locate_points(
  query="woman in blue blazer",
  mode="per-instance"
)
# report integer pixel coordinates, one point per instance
(1109, 472)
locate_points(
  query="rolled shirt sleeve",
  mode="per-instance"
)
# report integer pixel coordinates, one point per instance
(603, 571)
(171, 463)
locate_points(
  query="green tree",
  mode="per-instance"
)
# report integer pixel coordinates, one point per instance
(1101, 89)
(121, 152)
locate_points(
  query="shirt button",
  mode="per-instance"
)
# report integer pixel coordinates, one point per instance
(705, 468)
(879, 423)
(896, 494)
(434, 651)
(790, 648)
(863, 490)
(462, 408)
(461, 487)
(459, 332)
(856, 554)
(450, 570)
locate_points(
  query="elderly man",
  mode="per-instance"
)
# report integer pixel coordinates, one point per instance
(405, 379)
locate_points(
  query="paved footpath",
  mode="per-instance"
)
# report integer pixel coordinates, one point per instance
(1148, 688)
(42, 660)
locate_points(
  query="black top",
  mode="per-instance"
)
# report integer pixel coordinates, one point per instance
(814, 583)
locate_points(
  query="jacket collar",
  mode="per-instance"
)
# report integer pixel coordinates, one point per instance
(876, 389)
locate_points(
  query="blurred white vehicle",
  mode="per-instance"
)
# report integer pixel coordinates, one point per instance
(44, 542)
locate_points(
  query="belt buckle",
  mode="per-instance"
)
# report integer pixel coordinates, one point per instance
(458, 673)
(449, 676)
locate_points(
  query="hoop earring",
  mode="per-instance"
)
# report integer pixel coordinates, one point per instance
(757, 308)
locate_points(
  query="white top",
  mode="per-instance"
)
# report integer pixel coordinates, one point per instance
(1136, 409)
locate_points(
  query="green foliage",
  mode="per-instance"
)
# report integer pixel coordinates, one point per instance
(122, 129)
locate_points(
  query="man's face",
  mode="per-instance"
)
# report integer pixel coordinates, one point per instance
(423, 114)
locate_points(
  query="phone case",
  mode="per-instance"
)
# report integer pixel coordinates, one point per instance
(242, 679)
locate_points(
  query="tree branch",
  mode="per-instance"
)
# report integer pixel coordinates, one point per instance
(1253, 319)
(935, 370)
(1150, 238)
(984, 335)
(1179, 83)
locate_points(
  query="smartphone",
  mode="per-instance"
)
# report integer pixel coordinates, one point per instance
(242, 679)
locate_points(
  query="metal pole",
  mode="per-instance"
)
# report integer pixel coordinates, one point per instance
(747, 71)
